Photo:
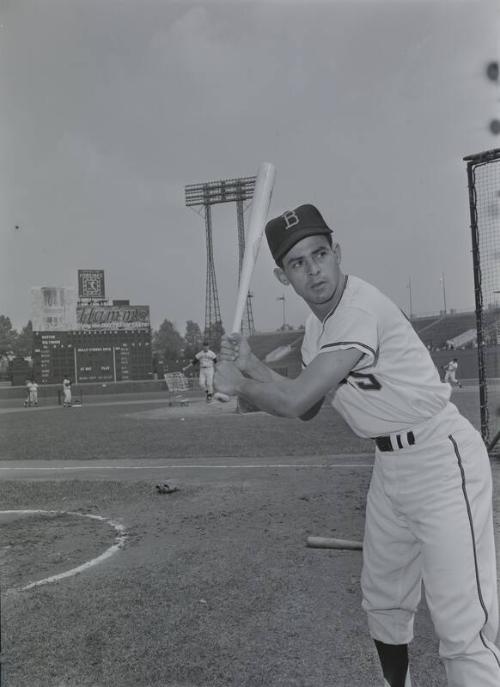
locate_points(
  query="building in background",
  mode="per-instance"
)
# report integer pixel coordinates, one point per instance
(89, 339)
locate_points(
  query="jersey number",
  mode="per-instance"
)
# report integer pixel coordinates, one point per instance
(367, 382)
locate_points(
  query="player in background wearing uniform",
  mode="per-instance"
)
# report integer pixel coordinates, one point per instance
(27, 397)
(33, 392)
(66, 384)
(429, 505)
(206, 359)
(450, 373)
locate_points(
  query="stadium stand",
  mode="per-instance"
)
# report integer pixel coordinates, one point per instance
(437, 332)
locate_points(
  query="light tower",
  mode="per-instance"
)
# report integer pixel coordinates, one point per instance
(203, 196)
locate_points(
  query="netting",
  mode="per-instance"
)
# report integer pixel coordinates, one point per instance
(483, 172)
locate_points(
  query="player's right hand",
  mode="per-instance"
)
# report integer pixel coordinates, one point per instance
(234, 349)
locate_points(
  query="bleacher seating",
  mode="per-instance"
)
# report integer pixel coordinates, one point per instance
(436, 331)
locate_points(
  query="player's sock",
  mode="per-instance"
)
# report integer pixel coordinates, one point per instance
(394, 661)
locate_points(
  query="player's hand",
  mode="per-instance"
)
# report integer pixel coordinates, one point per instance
(227, 378)
(234, 348)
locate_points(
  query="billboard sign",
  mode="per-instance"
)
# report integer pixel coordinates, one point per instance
(91, 284)
(53, 308)
(113, 317)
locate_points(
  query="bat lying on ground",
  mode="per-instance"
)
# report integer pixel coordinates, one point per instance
(329, 543)
(258, 214)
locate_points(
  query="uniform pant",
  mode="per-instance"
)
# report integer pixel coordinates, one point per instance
(67, 397)
(451, 378)
(429, 519)
(207, 379)
(33, 397)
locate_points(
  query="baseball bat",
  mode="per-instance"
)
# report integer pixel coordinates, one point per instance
(280, 352)
(330, 543)
(258, 214)
(264, 184)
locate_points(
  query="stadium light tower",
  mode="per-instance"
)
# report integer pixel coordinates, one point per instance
(203, 196)
(283, 300)
(444, 291)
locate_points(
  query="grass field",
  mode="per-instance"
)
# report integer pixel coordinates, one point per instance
(209, 586)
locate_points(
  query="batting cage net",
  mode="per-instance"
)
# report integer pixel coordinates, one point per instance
(483, 172)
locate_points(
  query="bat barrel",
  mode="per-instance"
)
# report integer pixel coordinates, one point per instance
(258, 214)
(331, 543)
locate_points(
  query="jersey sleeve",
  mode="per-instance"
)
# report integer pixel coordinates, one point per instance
(352, 328)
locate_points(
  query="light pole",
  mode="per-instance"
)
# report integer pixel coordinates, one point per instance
(283, 300)
(411, 301)
(444, 291)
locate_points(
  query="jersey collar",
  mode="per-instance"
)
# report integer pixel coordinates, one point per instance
(343, 287)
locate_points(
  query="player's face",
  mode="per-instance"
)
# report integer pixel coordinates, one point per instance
(312, 267)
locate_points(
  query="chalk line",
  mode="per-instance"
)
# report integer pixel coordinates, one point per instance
(119, 542)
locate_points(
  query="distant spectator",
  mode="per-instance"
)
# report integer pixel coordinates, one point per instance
(451, 372)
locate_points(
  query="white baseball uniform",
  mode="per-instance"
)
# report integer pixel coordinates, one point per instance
(207, 360)
(451, 372)
(33, 393)
(67, 392)
(429, 506)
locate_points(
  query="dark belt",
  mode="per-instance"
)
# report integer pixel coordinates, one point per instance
(384, 443)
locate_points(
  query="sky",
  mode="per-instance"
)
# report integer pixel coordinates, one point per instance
(366, 108)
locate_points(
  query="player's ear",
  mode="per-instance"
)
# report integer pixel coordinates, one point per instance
(337, 252)
(281, 276)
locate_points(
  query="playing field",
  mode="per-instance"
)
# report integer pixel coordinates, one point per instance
(107, 583)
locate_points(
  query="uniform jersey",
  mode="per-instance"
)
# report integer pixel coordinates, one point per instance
(206, 359)
(395, 385)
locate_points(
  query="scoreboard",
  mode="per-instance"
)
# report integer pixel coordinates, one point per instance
(92, 356)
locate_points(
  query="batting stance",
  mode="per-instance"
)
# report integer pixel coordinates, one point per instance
(206, 360)
(429, 505)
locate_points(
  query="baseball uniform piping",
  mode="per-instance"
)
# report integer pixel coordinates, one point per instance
(349, 343)
(469, 515)
(338, 302)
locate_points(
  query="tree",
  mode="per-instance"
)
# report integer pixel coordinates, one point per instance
(8, 335)
(168, 344)
(24, 342)
(193, 340)
(213, 334)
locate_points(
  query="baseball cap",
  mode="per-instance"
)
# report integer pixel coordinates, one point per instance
(285, 231)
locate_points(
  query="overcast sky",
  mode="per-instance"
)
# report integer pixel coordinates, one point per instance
(110, 107)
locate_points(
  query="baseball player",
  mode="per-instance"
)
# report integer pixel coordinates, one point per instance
(27, 390)
(450, 373)
(429, 505)
(66, 384)
(206, 359)
(33, 392)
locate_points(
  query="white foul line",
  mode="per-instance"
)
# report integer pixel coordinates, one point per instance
(185, 465)
(119, 542)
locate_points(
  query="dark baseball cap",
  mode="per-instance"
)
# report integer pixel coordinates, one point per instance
(285, 231)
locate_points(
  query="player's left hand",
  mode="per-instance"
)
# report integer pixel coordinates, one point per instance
(234, 348)
(227, 378)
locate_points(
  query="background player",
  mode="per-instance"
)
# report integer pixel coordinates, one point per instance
(450, 373)
(66, 385)
(33, 392)
(206, 359)
(429, 505)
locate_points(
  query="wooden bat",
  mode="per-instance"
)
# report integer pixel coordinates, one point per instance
(329, 543)
(280, 352)
(258, 214)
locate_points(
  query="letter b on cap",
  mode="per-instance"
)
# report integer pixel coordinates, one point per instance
(291, 219)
